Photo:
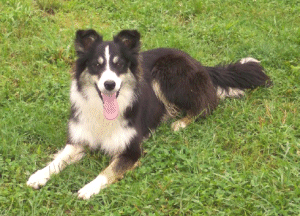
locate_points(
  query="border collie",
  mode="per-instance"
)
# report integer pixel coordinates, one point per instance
(119, 95)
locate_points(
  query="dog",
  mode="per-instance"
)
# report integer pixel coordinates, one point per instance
(120, 95)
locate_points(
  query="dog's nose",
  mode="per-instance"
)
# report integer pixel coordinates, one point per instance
(109, 85)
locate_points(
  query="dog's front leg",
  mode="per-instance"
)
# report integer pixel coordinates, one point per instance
(70, 154)
(119, 165)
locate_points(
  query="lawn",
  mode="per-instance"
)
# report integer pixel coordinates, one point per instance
(242, 160)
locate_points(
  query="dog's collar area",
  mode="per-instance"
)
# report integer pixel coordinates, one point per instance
(99, 92)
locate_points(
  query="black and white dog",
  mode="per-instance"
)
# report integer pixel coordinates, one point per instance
(120, 95)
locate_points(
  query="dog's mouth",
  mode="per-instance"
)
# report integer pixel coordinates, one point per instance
(110, 104)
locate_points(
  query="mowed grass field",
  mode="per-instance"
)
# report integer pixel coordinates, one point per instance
(242, 160)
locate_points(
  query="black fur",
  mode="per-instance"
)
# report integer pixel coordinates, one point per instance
(243, 76)
(183, 81)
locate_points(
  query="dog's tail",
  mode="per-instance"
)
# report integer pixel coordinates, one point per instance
(232, 80)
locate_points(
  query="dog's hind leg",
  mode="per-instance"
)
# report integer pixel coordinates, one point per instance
(183, 122)
(181, 82)
(70, 154)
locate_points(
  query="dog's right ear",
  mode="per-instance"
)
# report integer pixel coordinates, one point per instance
(129, 38)
(85, 39)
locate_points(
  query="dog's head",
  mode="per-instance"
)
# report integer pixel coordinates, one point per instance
(107, 63)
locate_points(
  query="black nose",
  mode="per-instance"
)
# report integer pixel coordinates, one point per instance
(109, 85)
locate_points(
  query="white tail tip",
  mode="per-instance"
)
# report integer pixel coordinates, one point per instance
(248, 59)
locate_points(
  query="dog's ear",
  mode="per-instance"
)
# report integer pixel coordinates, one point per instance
(129, 38)
(85, 39)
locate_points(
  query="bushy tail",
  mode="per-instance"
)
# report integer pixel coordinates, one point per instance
(231, 80)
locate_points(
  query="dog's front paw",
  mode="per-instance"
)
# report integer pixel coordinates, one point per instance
(93, 187)
(39, 178)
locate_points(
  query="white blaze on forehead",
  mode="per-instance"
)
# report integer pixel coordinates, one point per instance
(107, 57)
(108, 75)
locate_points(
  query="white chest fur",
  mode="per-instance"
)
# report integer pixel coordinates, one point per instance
(92, 128)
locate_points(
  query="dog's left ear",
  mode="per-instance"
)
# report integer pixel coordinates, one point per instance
(85, 39)
(129, 38)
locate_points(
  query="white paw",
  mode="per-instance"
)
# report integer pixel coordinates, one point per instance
(249, 59)
(235, 92)
(176, 126)
(39, 178)
(93, 187)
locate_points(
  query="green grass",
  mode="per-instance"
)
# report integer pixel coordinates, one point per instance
(241, 160)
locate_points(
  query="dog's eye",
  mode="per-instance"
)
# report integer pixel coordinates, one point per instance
(97, 65)
(118, 64)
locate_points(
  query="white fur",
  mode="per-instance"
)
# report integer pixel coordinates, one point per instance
(39, 178)
(93, 187)
(232, 92)
(109, 76)
(248, 59)
(176, 126)
(92, 127)
(68, 155)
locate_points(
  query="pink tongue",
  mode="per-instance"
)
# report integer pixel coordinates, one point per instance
(111, 107)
